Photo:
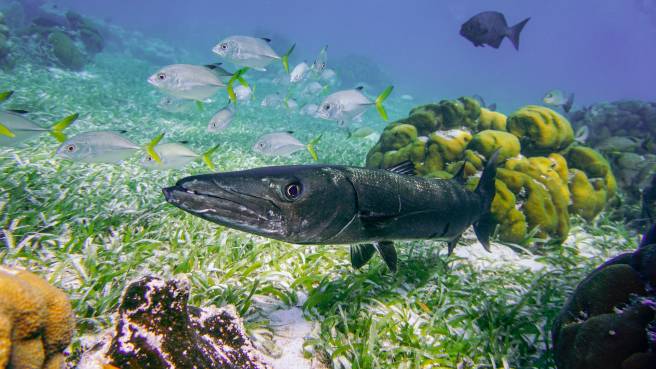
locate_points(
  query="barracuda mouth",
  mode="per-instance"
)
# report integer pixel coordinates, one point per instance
(228, 207)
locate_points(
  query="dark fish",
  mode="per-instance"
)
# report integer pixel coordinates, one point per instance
(332, 204)
(481, 101)
(489, 28)
(649, 201)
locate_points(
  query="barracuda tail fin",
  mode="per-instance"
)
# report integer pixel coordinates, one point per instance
(150, 148)
(207, 157)
(285, 58)
(238, 76)
(379, 102)
(5, 95)
(310, 147)
(486, 189)
(57, 129)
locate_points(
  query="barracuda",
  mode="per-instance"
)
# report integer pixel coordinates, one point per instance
(330, 204)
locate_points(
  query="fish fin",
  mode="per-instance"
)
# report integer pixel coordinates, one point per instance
(496, 43)
(513, 32)
(4, 131)
(200, 106)
(184, 142)
(310, 147)
(359, 88)
(484, 228)
(207, 157)
(285, 58)
(266, 39)
(150, 148)
(387, 251)
(460, 174)
(379, 102)
(348, 133)
(453, 243)
(213, 65)
(492, 107)
(57, 129)
(290, 132)
(406, 168)
(486, 189)
(18, 111)
(568, 104)
(361, 254)
(5, 95)
(237, 76)
(649, 237)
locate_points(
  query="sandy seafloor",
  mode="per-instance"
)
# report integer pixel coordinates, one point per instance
(90, 228)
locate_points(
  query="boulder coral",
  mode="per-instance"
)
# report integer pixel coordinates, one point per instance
(36, 322)
(67, 53)
(609, 320)
(543, 176)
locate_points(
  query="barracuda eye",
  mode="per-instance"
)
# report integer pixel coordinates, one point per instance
(293, 190)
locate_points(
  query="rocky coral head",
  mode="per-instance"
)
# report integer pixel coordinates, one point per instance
(152, 297)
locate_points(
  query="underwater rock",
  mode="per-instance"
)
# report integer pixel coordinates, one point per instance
(36, 321)
(156, 328)
(89, 34)
(5, 44)
(608, 321)
(535, 194)
(67, 53)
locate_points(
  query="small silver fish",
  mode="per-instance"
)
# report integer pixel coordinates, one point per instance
(309, 109)
(175, 105)
(221, 119)
(98, 147)
(176, 156)
(299, 72)
(362, 132)
(344, 106)
(329, 76)
(187, 81)
(321, 62)
(312, 89)
(558, 98)
(15, 129)
(243, 93)
(250, 52)
(283, 144)
(272, 101)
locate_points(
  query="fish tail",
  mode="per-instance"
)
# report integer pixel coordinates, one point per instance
(238, 76)
(285, 58)
(200, 106)
(4, 131)
(379, 102)
(514, 31)
(486, 189)
(311, 149)
(57, 129)
(5, 95)
(207, 157)
(568, 104)
(150, 148)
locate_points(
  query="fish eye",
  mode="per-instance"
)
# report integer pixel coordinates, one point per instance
(70, 148)
(161, 76)
(224, 46)
(260, 145)
(326, 107)
(293, 190)
(149, 158)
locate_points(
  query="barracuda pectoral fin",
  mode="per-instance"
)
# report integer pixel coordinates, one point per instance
(387, 251)
(361, 254)
(453, 243)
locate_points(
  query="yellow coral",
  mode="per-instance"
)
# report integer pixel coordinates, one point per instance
(451, 144)
(540, 129)
(491, 120)
(488, 141)
(36, 322)
(588, 197)
(594, 165)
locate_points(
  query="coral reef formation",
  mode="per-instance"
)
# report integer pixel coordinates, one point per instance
(609, 321)
(36, 322)
(5, 43)
(625, 132)
(66, 51)
(543, 175)
(157, 329)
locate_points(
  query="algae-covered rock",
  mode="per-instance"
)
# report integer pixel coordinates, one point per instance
(540, 130)
(157, 329)
(67, 53)
(488, 141)
(492, 120)
(36, 322)
(608, 321)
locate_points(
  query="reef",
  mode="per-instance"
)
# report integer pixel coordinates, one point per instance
(156, 328)
(36, 322)
(624, 132)
(543, 176)
(609, 321)
(6, 44)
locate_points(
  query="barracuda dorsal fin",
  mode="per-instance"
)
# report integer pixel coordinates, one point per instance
(361, 254)
(453, 243)
(406, 168)
(387, 251)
